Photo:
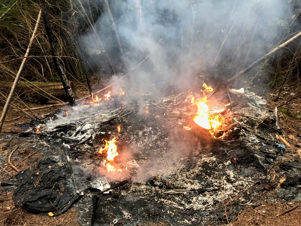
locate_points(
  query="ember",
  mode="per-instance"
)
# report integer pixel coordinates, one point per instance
(121, 92)
(146, 110)
(187, 127)
(38, 129)
(67, 112)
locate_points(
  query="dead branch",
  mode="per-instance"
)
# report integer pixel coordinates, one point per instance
(5, 109)
(277, 118)
(48, 106)
(289, 100)
(14, 119)
(257, 62)
(27, 157)
(9, 157)
(283, 140)
(289, 210)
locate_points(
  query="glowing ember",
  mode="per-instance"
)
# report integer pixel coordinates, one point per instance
(121, 92)
(108, 95)
(42, 116)
(206, 120)
(208, 89)
(67, 112)
(187, 127)
(118, 128)
(38, 129)
(146, 110)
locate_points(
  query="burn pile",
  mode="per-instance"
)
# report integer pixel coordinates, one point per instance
(189, 158)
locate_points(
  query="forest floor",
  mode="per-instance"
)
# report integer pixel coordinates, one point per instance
(265, 214)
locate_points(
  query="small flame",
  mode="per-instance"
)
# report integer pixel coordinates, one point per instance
(208, 89)
(187, 127)
(118, 128)
(67, 112)
(108, 95)
(111, 168)
(122, 92)
(38, 129)
(146, 110)
(94, 100)
(192, 100)
(42, 116)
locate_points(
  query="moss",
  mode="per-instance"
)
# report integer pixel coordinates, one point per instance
(289, 113)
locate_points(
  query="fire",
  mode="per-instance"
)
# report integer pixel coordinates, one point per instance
(38, 129)
(187, 127)
(108, 95)
(118, 128)
(96, 99)
(206, 120)
(146, 110)
(67, 112)
(111, 168)
(111, 151)
(121, 92)
(208, 89)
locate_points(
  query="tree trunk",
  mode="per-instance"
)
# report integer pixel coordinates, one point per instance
(107, 6)
(58, 64)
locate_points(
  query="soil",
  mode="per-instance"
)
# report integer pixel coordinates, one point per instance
(264, 214)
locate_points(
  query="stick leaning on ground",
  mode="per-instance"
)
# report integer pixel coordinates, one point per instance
(6, 106)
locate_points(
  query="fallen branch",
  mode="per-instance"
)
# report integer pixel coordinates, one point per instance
(289, 210)
(283, 140)
(14, 119)
(289, 100)
(9, 157)
(277, 119)
(48, 106)
(5, 109)
(27, 157)
(257, 62)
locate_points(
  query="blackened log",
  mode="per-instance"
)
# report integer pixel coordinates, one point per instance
(57, 62)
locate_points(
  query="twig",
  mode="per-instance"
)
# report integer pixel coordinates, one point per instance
(283, 140)
(226, 213)
(9, 157)
(5, 109)
(47, 106)
(289, 100)
(289, 210)
(8, 9)
(257, 212)
(277, 118)
(28, 157)
(14, 119)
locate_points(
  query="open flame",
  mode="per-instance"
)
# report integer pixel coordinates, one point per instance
(208, 89)
(67, 112)
(108, 95)
(118, 128)
(187, 127)
(38, 129)
(121, 92)
(111, 150)
(204, 118)
(146, 110)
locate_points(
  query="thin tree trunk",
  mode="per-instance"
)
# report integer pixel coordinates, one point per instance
(107, 6)
(58, 64)
(9, 98)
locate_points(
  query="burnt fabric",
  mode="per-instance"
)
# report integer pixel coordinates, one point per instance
(46, 187)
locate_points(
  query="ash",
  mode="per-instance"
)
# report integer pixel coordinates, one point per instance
(177, 176)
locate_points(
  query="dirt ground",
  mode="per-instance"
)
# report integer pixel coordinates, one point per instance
(265, 214)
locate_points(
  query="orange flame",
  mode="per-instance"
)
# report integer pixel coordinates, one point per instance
(38, 129)
(205, 119)
(118, 128)
(94, 100)
(108, 95)
(111, 151)
(208, 89)
(187, 127)
(122, 92)
(111, 168)
(67, 112)
(146, 110)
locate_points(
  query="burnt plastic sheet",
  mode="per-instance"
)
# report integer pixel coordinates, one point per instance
(46, 187)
